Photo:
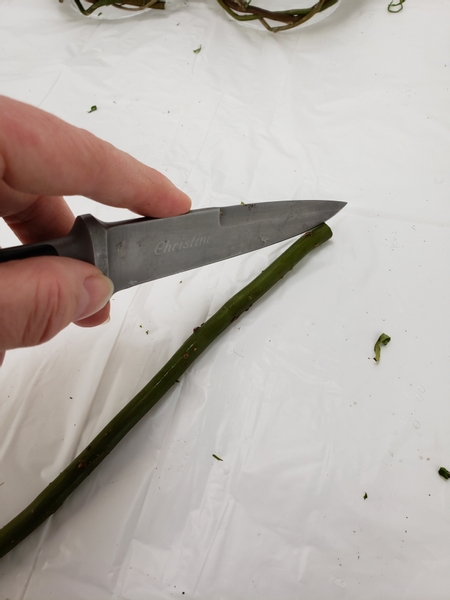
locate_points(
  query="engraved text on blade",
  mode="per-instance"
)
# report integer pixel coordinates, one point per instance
(164, 247)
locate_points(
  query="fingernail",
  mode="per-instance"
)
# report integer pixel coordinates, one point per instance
(97, 290)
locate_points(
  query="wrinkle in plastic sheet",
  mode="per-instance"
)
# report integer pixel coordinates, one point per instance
(352, 108)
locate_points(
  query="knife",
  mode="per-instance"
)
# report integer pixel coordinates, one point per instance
(144, 249)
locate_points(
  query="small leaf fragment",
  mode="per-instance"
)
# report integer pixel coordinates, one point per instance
(382, 340)
(93, 109)
(197, 50)
(365, 496)
(217, 458)
(444, 473)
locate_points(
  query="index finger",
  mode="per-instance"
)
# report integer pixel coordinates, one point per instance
(42, 155)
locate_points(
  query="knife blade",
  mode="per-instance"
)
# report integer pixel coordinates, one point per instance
(144, 249)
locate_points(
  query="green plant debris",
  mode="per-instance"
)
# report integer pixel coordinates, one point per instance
(93, 109)
(383, 340)
(395, 7)
(217, 457)
(365, 496)
(444, 473)
(199, 49)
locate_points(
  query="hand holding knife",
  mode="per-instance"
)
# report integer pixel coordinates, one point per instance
(42, 159)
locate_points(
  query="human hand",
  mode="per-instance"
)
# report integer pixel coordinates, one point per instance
(42, 158)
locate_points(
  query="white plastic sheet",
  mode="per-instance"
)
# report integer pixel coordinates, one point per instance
(354, 107)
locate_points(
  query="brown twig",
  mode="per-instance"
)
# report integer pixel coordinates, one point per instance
(124, 5)
(241, 10)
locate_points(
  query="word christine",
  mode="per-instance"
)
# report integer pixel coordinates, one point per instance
(167, 246)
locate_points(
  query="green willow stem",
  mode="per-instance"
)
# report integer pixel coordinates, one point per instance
(53, 496)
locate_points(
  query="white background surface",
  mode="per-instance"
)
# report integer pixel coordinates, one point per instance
(355, 107)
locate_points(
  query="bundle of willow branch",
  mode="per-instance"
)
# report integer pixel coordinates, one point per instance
(241, 10)
(53, 496)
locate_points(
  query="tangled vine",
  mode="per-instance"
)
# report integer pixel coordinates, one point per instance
(241, 10)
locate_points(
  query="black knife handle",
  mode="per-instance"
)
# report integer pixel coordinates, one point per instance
(27, 251)
(86, 241)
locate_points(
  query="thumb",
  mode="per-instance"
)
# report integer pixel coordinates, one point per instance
(40, 296)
